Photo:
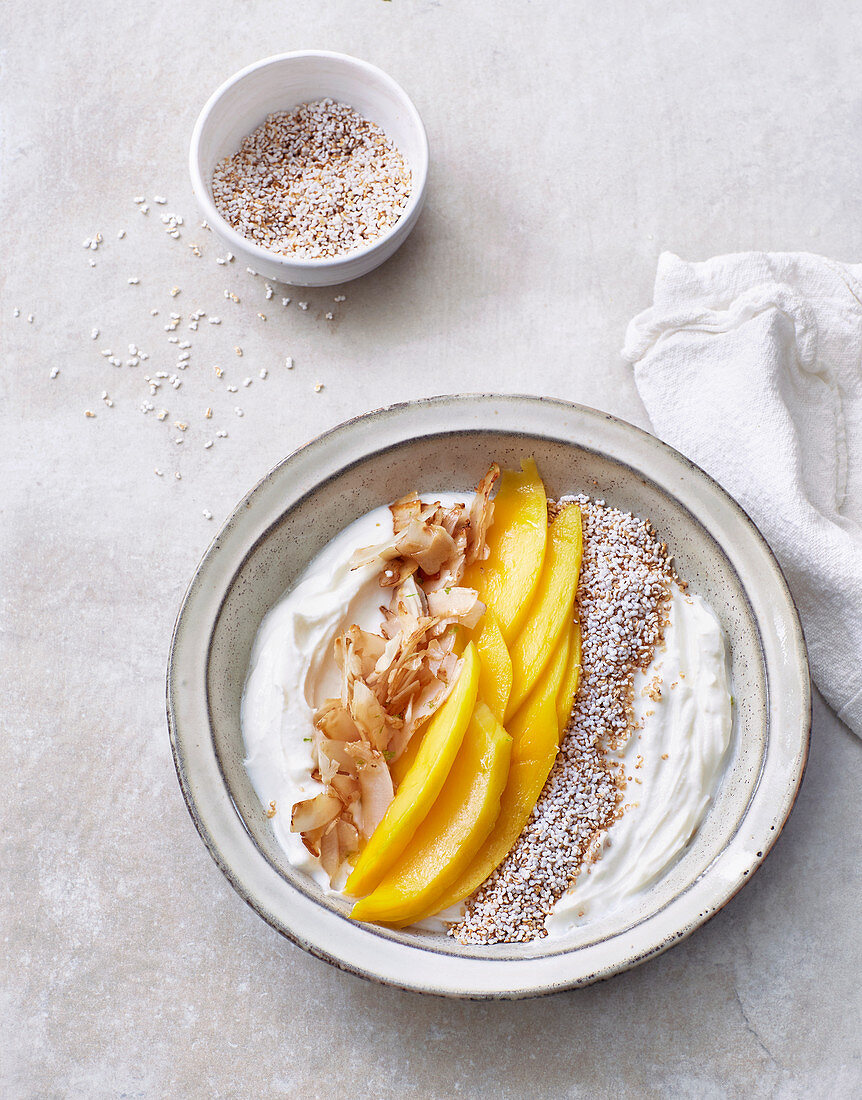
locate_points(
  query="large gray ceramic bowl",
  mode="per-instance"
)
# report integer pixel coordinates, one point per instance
(443, 443)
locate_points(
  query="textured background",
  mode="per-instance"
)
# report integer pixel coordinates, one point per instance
(571, 142)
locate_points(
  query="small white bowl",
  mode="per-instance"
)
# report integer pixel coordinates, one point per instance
(279, 83)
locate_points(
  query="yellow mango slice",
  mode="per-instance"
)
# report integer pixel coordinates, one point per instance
(551, 606)
(507, 578)
(534, 733)
(495, 665)
(454, 829)
(422, 783)
(569, 686)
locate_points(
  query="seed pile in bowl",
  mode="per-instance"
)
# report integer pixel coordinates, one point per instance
(314, 182)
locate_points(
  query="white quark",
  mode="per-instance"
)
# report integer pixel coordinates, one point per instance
(292, 670)
(674, 758)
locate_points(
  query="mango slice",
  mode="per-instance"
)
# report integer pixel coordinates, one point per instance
(422, 783)
(534, 733)
(507, 578)
(495, 665)
(569, 686)
(551, 605)
(454, 829)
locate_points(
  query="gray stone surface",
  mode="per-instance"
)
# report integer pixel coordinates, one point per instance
(571, 142)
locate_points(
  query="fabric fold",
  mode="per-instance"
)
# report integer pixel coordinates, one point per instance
(751, 365)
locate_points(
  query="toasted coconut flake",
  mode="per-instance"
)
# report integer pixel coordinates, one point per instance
(404, 511)
(375, 784)
(314, 812)
(481, 516)
(394, 681)
(456, 605)
(429, 544)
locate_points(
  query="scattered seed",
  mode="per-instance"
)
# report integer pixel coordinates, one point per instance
(246, 381)
(285, 301)
(263, 372)
(208, 414)
(89, 413)
(238, 351)
(238, 411)
(208, 444)
(160, 199)
(214, 320)
(221, 435)
(55, 371)
(289, 362)
(121, 234)
(207, 514)
(158, 473)
(134, 280)
(318, 386)
(262, 316)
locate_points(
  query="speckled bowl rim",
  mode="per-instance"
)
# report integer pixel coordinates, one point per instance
(355, 948)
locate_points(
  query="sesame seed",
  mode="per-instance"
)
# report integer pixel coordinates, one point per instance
(231, 389)
(134, 280)
(208, 444)
(238, 411)
(207, 514)
(158, 472)
(139, 199)
(160, 199)
(238, 351)
(214, 320)
(208, 414)
(178, 476)
(263, 372)
(285, 301)
(55, 371)
(221, 435)
(262, 316)
(30, 318)
(121, 234)
(89, 413)
(318, 387)
(289, 362)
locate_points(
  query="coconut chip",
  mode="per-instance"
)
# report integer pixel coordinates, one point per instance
(393, 682)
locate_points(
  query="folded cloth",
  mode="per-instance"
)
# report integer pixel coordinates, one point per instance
(751, 365)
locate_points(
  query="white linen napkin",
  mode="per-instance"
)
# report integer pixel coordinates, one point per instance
(751, 365)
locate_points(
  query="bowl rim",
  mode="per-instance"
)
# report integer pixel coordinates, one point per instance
(241, 243)
(221, 827)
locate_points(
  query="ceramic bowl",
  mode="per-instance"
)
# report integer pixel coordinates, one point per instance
(447, 442)
(279, 83)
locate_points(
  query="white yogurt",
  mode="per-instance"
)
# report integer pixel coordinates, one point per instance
(675, 762)
(681, 745)
(292, 670)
